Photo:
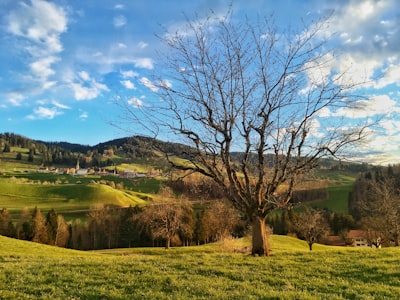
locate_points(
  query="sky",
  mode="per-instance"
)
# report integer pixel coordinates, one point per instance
(65, 62)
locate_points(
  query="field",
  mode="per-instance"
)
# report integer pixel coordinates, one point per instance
(33, 271)
(68, 195)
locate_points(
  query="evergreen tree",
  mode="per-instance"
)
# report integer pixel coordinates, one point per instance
(62, 234)
(39, 229)
(6, 225)
(51, 226)
(24, 226)
(7, 148)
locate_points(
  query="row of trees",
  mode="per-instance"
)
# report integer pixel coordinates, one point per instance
(163, 223)
(158, 223)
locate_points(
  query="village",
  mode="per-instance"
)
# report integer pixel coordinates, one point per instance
(78, 171)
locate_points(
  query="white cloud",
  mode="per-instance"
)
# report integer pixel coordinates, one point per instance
(142, 45)
(367, 33)
(129, 74)
(391, 75)
(355, 69)
(119, 21)
(145, 63)
(147, 83)
(376, 105)
(60, 105)
(119, 6)
(324, 112)
(15, 98)
(166, 83)
(83, 92)
(38, 25)
(42, 22)
(128, 84)
(44, 113)
(84, 75)
(42, 67)
(318, 71)
(83, 116)
(83, 86)
(135, 102)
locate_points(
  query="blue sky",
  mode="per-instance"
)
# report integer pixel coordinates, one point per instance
(63, 63)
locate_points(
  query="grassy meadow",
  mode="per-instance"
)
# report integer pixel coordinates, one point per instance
(34, 271)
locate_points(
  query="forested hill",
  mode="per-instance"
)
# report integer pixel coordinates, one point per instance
(136, 147)
(133, 147)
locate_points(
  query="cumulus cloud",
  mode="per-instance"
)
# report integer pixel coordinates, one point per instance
(42, 67)
(44, 113)
(128, 84)
(129, 74)
(42, 22)
(84, 75)
(145, 63)
(368, 33)
(85, 87)
(147, 83)
(135, 102)
(92, 91)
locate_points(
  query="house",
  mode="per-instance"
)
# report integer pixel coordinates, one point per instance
(81, 172)
(335, 240)
(357, 238)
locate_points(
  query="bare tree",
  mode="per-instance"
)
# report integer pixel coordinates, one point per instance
(311, 225)
(62, 234)
(218, 221)
(379, 206)
(166, 220)
(247, 87)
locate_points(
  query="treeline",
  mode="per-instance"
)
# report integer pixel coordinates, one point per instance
(284, 222)
(156, 224)
(375, 205)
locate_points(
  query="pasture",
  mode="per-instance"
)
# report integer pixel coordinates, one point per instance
(34, 271)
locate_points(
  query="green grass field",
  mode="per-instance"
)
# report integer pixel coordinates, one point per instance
(66, 197)
(33, 271)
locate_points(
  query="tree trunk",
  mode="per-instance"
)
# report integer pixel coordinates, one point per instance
(310, 246)
(168, 243)
(260, 238)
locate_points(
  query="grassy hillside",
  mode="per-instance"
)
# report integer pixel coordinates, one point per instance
(67, 197)
(32, 271)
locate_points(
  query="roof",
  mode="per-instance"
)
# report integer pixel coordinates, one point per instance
(356, 234)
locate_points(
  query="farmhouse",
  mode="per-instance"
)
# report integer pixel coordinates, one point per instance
(356, 238)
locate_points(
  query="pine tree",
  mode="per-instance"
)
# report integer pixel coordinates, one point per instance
(39, 229)
(51, 226)
(24, 226)
(6, 225)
